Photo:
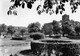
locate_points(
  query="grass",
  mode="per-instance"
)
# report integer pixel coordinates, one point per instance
(8, 46)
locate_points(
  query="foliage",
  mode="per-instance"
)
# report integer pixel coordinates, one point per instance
(70, 27)
(47, 6)
(67, 26)
(47, 29)
(65, 17)
(37, 35)
(51, 28)
(22, 31)
(77, 29)
(3, 28)
(56, 27)
(47, 48)
(34, 27)
(10, 30)
(64, 27)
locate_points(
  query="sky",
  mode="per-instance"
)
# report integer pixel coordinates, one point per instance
(27, 16)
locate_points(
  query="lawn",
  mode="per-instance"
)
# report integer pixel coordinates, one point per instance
(8, 46)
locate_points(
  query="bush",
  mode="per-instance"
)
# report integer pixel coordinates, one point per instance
(14, 38)
(18, 38)
(67, 48)
(73, 37)
(37, 36)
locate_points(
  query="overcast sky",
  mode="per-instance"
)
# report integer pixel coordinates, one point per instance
(26, 16)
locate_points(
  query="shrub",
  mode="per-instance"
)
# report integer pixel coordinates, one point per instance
(37, 36)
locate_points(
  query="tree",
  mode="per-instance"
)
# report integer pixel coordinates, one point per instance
(47, 29)
(77, 28)
(47, 6)
(22, 31)
(3, 28)
(52, 28)
(65, 18)
(10, 30)
(34, 27)
(56, 27)
(67, 26)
